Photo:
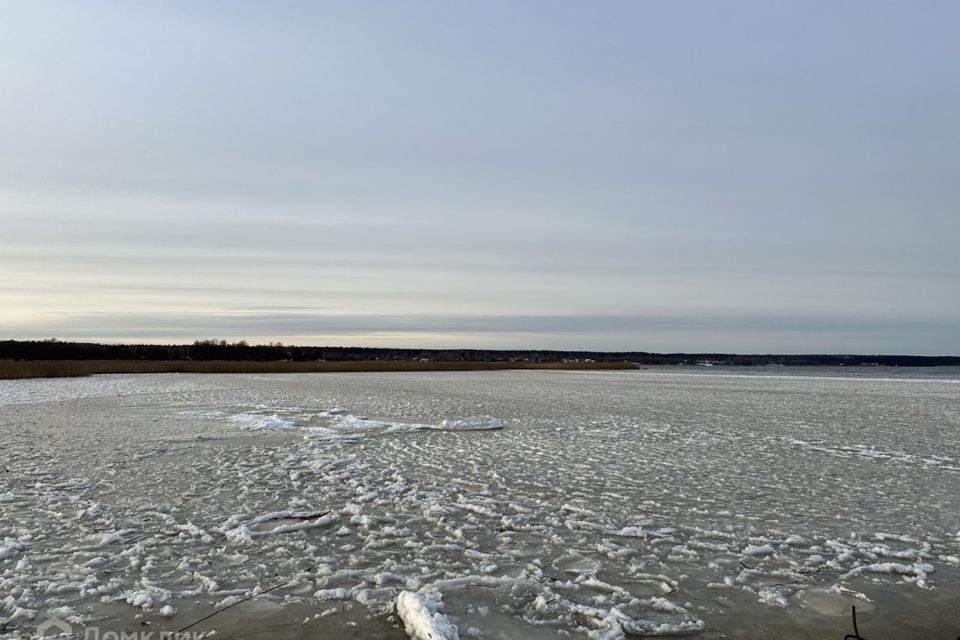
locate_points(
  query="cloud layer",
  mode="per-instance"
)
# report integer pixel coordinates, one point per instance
(737, 176)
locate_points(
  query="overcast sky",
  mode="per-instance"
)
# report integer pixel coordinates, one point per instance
(662, 176)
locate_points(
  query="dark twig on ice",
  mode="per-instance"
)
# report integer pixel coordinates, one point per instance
(241, 601)
(856, 632)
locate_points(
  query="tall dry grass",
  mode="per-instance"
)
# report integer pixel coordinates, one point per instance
(15, 369)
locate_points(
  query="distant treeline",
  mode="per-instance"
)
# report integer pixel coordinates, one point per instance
(13, 369)
(208, 350)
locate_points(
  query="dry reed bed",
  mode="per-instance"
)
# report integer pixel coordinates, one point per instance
(16, 369)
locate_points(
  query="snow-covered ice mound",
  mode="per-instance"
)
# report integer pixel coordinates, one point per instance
(421, 619)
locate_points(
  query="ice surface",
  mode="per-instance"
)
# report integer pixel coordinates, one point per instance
(598, 505)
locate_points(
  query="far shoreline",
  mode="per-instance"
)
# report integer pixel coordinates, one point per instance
(25, 369)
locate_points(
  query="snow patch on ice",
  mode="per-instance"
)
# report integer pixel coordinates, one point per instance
(262, 422)
(471, 424)
(759, 550)
(877, 453)
(10, 547)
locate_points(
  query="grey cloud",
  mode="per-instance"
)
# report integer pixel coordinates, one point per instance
(428, 164)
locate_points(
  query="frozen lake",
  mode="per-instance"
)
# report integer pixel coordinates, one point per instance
(720, 502)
